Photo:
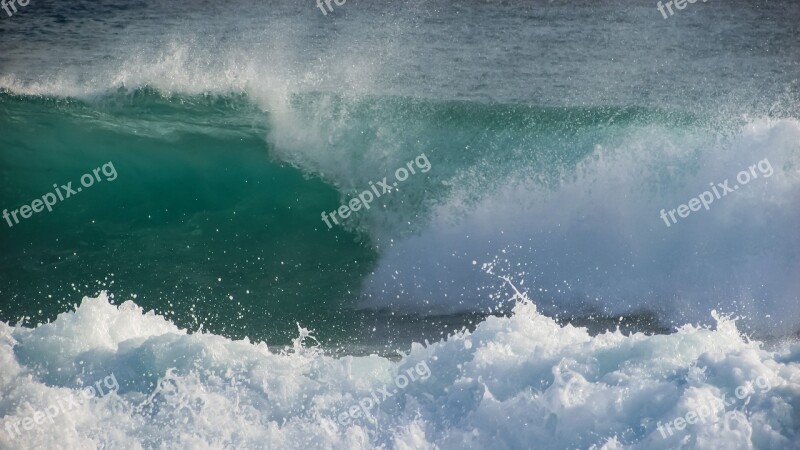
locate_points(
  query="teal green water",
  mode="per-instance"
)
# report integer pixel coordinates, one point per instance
(205, 224)
(198, 214)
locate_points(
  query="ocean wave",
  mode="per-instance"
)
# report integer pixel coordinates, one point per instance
(567, 199)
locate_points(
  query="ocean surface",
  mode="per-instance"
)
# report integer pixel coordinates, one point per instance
(530, 271)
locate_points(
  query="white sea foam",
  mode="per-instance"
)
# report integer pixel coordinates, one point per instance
(595, 241)
(516, 382)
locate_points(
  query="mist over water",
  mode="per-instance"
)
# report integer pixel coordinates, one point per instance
(593, 241)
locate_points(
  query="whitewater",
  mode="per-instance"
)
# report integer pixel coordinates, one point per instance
(511, 382)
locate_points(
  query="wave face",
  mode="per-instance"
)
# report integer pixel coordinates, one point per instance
(577, 219)
(199, 224)
(511, 382)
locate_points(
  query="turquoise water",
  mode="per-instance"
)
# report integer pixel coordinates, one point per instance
(198, 215)
(220, 230)
(205, 224)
